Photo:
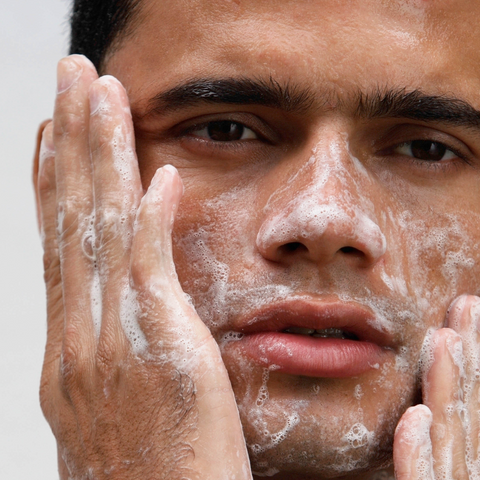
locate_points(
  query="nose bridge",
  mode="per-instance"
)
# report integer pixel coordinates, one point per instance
(323, 206)
(331, 176)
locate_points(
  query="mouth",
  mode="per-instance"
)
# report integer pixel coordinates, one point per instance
(322, 333)
(313, 338)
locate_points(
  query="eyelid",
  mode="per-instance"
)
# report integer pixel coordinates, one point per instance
(407, 133)
(251, 121)
(409, 145)
(204, 126)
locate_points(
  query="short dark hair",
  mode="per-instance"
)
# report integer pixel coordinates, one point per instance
(97, 26)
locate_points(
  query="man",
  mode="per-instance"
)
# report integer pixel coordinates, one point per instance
(326, 236)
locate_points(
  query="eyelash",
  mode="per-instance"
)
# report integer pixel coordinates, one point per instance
(444, 165)
(255, 129)
(205, 126)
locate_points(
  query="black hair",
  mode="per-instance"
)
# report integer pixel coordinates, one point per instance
(98, 25)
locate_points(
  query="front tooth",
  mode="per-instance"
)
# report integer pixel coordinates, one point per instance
(329, 333)
(300, 330)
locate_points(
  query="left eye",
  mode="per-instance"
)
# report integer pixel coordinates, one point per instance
(426, 150)
(224, 131)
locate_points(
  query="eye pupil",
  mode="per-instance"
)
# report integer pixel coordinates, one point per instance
(428, 150)
(225, 131)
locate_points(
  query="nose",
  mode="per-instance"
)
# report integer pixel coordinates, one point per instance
(320, 218)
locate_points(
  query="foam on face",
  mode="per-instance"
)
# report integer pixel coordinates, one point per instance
(227, 278)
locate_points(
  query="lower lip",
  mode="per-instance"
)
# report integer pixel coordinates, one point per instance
(310, 356)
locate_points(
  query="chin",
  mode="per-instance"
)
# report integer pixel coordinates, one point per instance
(302, 427)
(308, 448)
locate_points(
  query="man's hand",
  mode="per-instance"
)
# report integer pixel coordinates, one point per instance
(440, 440)
(133, 384)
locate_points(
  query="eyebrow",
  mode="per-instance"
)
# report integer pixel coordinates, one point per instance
(233, 91)
(380, 103)
(416, 105)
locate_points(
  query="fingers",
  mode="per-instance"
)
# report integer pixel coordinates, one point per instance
(118, 191)
(464, 318)
(412, 451)
(166, 316)
(451, 392)
(75, 202)
(443, 394)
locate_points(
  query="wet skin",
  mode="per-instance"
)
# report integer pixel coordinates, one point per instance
(322, 196)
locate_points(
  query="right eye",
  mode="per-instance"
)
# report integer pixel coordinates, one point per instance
(426, 150)
(223, 131)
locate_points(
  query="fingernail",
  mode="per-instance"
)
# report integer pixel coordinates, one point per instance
(455, 348)
(98, 94)
(68, 72)
(157, 178)
(170, 168)
(416, 423)
(423, 424)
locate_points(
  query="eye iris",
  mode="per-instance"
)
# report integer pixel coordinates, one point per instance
(225, 131)
(427, 150)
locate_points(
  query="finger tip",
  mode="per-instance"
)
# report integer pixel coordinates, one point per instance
(170, 169)
(71, 68)
(176, 176)
(421, 410)
(446, 339)
(417, 418)
(463, 314)
(101, 89)
(82, 60)
(168, 172)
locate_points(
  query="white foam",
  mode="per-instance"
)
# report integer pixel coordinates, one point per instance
(96, 300)
(129, 313)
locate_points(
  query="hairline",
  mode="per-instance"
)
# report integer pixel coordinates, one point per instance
(134, 19)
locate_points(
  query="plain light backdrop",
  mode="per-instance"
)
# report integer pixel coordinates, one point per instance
(33, 36)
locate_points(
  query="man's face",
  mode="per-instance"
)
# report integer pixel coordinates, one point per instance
(331, 181)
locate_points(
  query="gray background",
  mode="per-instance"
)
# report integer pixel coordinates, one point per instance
(33, 36)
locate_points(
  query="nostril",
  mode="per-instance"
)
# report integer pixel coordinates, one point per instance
(293, 247)
(351, 250)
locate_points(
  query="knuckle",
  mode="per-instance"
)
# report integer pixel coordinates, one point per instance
(105, 361)
(146, 278)
(69, 122)
(51, 265)
(101, 145)
(75, 368)
(143, 281)
(112, 226)
(109, 217)
(69, 216)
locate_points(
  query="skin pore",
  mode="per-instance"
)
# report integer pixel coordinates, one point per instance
(330, 157)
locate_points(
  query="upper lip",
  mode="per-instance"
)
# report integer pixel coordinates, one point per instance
(315, 314)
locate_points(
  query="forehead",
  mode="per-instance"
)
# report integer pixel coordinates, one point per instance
(331, 46)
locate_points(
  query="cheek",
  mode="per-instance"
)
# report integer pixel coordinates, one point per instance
(432, 257)
(214, 239)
